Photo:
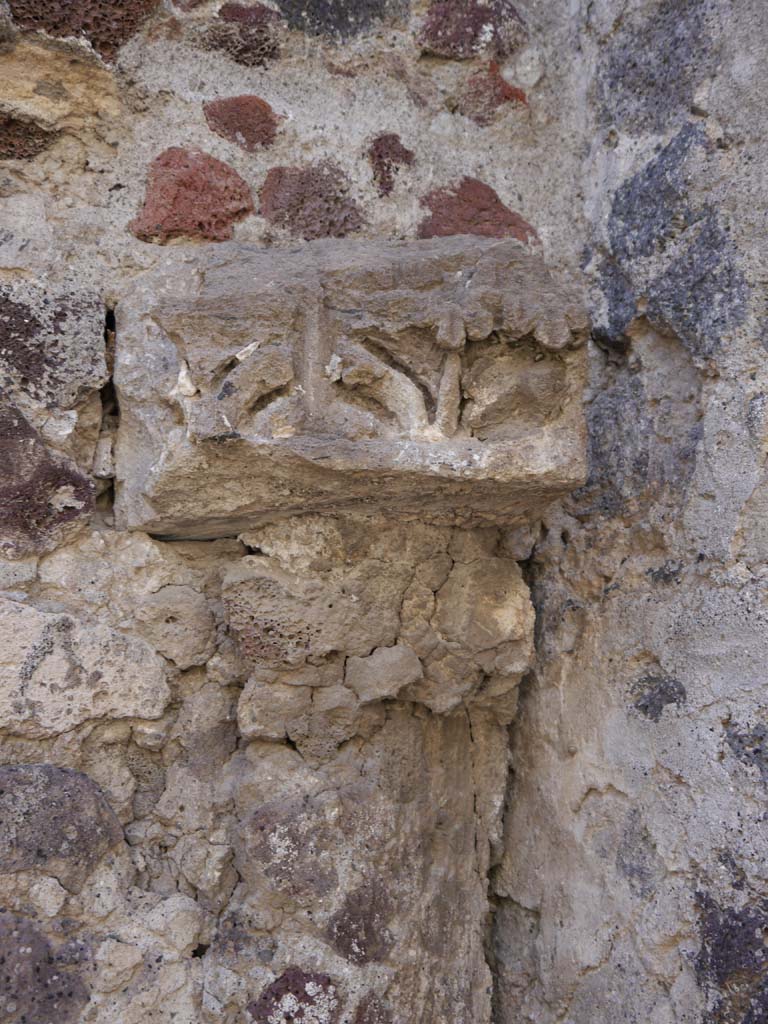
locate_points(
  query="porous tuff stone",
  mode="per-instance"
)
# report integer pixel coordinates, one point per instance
(191, 194)
(374, 611)
(106, 24)
(386, 155)
(247, 33)
(43, 496)
(22, 140)
(437, 379)
(471, 207)
(37, 984)
(246, 120)
(309, 202)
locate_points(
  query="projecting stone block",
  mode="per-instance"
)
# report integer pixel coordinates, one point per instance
(439, 379)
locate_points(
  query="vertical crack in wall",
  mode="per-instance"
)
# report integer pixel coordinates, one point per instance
(103, 463)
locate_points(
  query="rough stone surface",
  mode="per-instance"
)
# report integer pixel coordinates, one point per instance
(44, 497)
(57, 673)
(342, 19)
(37, 985)
(387, 154)
(225, 776)
(22, 140)
(246, 120)
(383, 672)
(485, 92)
(106, 24)
(55, 821)
(310, 202)
(248, 33)
(461, 29)
(297, 996)
(413, 377)
(190, 194)
(471, 208)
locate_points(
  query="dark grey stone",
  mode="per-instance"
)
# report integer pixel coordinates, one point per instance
(339, 19)
(654, 64)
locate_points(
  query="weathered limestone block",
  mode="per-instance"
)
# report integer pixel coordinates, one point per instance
(334, 616)
(363, 855)
(370, 870)
(384, 672)
(438, 379)
(57, 672)
(166, 593)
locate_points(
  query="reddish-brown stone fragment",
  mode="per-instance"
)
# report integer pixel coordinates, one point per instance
(461, 29)
(22, 140)
(247, 33)
(310, 201)
(246, 120)
(191, 194)
(485, 92)
(386, 154)
(106, 24)
(472, 208)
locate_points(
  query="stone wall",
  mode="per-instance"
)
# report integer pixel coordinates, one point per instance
(323, 767)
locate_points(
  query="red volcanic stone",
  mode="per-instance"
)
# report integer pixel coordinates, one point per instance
(247, 33)
(485, 92)
(461, 29)
(107, 24)
(191, 194)
(310, 201)
(246, 120)
(387, 154)
(472, 208)
(22, 140)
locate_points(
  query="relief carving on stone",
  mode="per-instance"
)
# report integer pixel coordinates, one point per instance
(361, 435)
(439, 379)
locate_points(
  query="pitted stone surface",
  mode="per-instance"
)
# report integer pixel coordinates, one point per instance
(191, 194)
(54, 820)
(471, 208)
(36, 984)
(246, 120)
(106, 24)
(443, 377)
(352, 792)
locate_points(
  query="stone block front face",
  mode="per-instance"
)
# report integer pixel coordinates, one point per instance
(439, 379)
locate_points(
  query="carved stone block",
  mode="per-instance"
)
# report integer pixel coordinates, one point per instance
(439, 379)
